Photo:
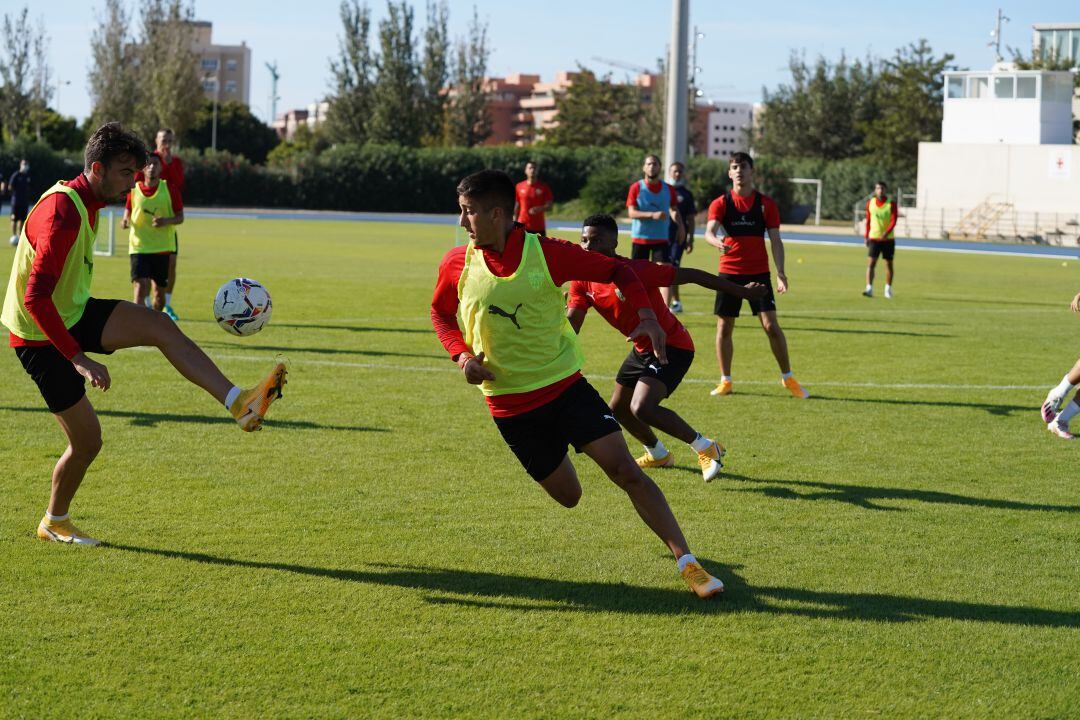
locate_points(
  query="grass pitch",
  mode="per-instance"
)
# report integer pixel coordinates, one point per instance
(903, 544)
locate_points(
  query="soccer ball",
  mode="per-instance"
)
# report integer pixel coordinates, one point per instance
(242, 307)
(14, 240)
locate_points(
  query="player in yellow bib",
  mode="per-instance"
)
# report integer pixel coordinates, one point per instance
(54, 321)
(154, 209)
(880, 237)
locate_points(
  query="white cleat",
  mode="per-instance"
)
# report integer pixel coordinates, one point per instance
(1062, 431)
(888, 293)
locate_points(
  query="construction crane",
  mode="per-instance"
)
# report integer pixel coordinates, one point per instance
(640, 70)
(274, 75)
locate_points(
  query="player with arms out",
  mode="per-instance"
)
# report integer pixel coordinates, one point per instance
(513, 340)
(745, 216)
(1057, 418)
(643, 382)
(54, 322)
(154, 209)
(533, 198)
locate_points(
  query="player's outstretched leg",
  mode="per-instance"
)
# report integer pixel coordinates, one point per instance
(132, 325)
(80, 425)
(646, 409)
(613, 457)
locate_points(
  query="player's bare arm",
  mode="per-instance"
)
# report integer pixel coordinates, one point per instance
(95, 372)
(174, 220)
(778, 259)
(125, 222)
(636, 214)
(712, 238)
(692, 276)
(650, 327)
(1076, 303)
(472, 366)
(576, 316)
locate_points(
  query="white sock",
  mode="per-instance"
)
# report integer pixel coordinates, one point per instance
(231, 396)
(686, 560)
(785, 376)
(701, 443)
(147, 301)
(168, 298)
(1068, 413)
(1063, 388)
(888, 287)
(56, 518)
(869, 288)
(658, 450)
(725, 378)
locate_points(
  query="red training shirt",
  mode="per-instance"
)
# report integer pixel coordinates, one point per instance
(172, 172)
(746, 254)
(631, 202)
(892, 219)
(52, 229)
(617, 311)
(532, 195)
(566, 261)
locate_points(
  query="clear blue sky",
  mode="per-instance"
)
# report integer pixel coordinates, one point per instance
(746, 44)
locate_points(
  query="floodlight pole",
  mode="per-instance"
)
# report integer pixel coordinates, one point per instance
(675, 125)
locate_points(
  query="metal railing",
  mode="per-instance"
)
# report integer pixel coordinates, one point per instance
(986, 222)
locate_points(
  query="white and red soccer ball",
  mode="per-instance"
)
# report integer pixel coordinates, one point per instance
(242, 307)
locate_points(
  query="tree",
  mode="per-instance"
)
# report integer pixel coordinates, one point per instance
(16, 73)
(238, 131)
(350, 102)
(822, 113)
(395, 111)
(112, 72)
(434, 73)
(910, 97)
(169, 87)
(596, 112)
(57, 131)
(467, 121)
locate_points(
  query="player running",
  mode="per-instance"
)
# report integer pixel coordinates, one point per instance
(154, 209)
(643, 382)
(880, 237)
(746, 215)
(1057, 419)
(54, 321)
(519, 348)
(688, 212)
(533, 199)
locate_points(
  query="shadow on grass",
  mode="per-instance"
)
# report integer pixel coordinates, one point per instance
(866, 496)
(520, 592)
(788, 327)
(319, 350)
(791, 316)
(145, 419)
(992, 408)
(993, 301)
(318, 326)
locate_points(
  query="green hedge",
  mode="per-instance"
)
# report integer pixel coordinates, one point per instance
(46, 165)
(844, 182)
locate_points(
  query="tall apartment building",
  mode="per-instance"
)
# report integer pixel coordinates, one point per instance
(721, 128)
(225, 70)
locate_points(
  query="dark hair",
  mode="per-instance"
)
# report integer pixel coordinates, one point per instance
(602, 221)
(740, 157)
(883, 184)
(651, 155)
(111, 141)
(678, 163)
(530, 161)
(166, 130)
(489, 188)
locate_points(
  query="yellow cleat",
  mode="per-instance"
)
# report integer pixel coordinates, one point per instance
(724, 388)
(702, 583)
(795, 388)
(250, 406)
(648, 461)
(63, 531)
(709, 460)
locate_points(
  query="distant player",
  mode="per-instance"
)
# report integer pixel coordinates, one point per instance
(745, 216)
(880, 237)
(19, 187)
(1057, 419)
(643, 382)
(499, 312)
(153, 210)
(172, 172)
(54, 321)
(533, 199)
(688, 212)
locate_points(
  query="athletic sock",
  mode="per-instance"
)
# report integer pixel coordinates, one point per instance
(231, 396)
(1063, 388)
(725, 378)
(1068, 413)
(888, 287)
(685, 560)
(701, 443)
(56, 518)
(148, 302)
(658, 450)
(168, 298)
(869, 288)
(785, 376)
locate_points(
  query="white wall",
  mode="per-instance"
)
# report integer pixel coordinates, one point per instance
(727, 128)
(1033, 178)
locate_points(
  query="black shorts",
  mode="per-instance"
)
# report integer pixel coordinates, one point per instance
(730, 305)
(638, 365)
(539, 437)
(19, 211)
(884, 248)
(176, 241)
(675, 253)
(60, 384)
(657, 252)
(150, 266)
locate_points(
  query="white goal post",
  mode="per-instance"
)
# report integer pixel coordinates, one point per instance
(110, 237)
(817, 205)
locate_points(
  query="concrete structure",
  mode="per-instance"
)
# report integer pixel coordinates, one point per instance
(1061, 40)
(726, 129)
(290, 121)
(225, 70)
(1006, 105)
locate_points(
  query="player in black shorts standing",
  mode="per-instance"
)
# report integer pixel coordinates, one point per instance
(688, 212)
(652, 205)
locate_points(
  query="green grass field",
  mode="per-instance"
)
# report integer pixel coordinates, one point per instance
(903, 544)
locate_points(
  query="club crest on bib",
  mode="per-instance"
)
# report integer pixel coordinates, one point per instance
(536, 279)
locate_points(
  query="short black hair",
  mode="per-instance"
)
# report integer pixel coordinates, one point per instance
(740, 157)
(679, 164)
(883, 184)
(489, 188)
(651, 155)
(153, 154)
(602, 221)
(112, 141)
